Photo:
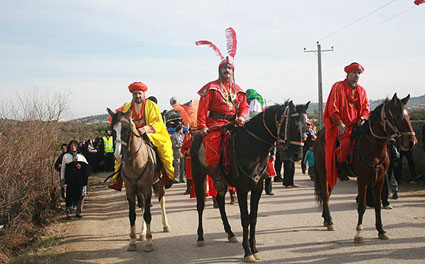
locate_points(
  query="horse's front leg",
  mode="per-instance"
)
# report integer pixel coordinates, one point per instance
(132, 217)
(377, 190)
(222, 207)
(243, 207)
(255, 199)
(148, 217)
(361, 208)
(198, 180)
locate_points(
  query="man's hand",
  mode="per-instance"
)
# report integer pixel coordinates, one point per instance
(203, 131)
(342, 128)
(240, 120)
(78, 165)
(141, 131)
(361, 121)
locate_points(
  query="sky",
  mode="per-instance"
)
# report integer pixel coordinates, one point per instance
(92, 50)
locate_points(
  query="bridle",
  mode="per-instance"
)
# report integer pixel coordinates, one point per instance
(385, 123)
(126, 144)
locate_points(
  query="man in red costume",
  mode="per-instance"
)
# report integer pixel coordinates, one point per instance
(222, 101)
(347, 106)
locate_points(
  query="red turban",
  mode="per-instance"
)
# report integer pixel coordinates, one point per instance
(137, 86)
(354, 67)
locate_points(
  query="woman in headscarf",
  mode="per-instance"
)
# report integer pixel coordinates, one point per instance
(74, 176)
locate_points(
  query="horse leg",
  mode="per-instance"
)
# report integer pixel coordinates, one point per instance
(243, 207)
(222, 207)
(132, 217)
(148, 217)
(143, 231)
(255, 199)
(326, 213)
(165, 225)
(361, 208)
(198, 179)
(377, 190)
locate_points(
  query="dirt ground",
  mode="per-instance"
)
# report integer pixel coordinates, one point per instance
(289, 229)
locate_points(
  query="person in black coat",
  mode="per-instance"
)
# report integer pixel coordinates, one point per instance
(74, 177)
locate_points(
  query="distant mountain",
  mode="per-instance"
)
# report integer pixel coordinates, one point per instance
(413, 104)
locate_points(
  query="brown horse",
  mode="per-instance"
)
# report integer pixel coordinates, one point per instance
(370, 161)
(141, 169)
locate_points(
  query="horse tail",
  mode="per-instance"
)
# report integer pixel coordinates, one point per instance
(317, 186)
(319, 169)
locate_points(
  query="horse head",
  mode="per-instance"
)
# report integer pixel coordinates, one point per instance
(290, 131)
(122, 125)
(399, 116)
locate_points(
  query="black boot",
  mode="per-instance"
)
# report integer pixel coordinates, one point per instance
(219, 184)
(342, 171)
(188, 186)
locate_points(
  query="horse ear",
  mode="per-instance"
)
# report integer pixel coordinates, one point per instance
(405, 99)
(110, 112)
(394, 99)
(306, 106)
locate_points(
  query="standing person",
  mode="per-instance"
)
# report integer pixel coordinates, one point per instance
(309, 159)
(177, 142)
(91, 154)
(222, 101)
(74, 175)
(278, 167)
(288, 174)
(148, 120)
(185, 150)
(270, 174)
(347, 106)
(309, 138)
(408, 154)
(394, 156)
(108, 146)
(58, 165)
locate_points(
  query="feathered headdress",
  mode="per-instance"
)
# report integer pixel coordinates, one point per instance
(231, 46)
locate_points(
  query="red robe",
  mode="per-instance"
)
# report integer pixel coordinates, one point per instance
(344, 105)
(224, 98)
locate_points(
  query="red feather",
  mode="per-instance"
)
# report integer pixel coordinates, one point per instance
(231, 41)
(419, 2)
(209, 43)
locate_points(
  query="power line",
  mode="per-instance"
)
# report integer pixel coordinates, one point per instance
(357, 20)
(382, 22)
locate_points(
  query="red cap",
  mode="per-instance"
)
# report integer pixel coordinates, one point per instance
(354, 67)
(226, 61)
(137, 86)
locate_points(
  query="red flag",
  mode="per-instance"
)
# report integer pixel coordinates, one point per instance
(419, 2)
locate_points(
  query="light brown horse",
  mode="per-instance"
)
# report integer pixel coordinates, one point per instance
(141, 169)
(389, 121)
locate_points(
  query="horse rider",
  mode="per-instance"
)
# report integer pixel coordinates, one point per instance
(148, 120)
(222, 101)
(347, 106)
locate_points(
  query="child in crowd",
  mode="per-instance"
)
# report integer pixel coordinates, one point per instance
(309, 158)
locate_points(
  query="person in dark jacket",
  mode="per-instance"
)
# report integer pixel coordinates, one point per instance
(74, 176)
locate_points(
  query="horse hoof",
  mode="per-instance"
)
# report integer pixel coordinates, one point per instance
(358, 240)
(132, 247)
(383, 236)
(249, 258)
(257, 256)
(148, 248)
(233, 239)
(200, 243)
(331, 228)
(166, 229)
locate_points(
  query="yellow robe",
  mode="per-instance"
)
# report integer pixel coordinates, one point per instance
(157, 134)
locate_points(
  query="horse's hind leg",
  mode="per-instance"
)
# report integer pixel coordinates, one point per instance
(255, 199)
(165, 225)
(377, 190)
(132, 217)
(148, 217)
(221, 206)
(361, 208)
(198, 179)
(326, 213)
(243, 207)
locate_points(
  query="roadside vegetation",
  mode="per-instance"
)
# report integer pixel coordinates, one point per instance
(31, 132)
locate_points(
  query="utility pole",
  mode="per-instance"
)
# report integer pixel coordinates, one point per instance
(319, 64)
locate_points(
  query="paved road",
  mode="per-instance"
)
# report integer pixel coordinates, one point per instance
(289, 229)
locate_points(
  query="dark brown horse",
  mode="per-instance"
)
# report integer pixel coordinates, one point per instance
(389, 121)
(251, 144)
(140, 170)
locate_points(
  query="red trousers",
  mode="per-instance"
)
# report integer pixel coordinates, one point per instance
(212, 142)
